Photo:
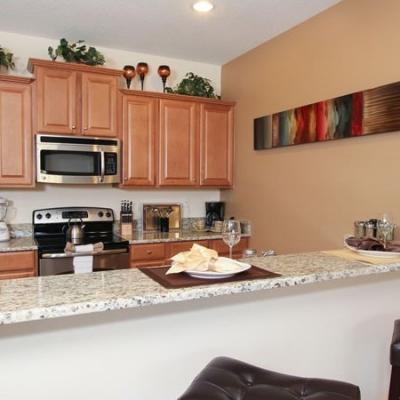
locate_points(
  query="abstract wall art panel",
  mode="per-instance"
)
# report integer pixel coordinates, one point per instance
(358, 114)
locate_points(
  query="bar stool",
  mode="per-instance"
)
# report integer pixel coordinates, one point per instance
(394, 390)
(228, 379)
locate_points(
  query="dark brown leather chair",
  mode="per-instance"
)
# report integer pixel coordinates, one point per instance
(228, 379)
(394, 391)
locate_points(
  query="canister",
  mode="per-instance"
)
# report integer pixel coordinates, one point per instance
(359, 229)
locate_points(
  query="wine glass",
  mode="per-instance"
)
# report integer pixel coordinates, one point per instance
(385, 228)
(231, 234)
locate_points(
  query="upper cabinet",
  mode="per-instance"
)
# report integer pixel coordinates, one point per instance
(16, 162)
(139, 120)
(178, 143)
(216, 145)
(75, 99)
(172, 140)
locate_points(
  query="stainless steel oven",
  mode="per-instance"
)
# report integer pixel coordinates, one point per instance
(61, 263)
(77, 160)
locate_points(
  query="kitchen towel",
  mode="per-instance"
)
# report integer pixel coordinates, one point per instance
(353, 256)
(83, 264)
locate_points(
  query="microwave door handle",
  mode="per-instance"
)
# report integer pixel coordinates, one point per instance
(102, 166)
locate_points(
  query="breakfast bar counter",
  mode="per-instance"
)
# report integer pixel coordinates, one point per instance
(325, 316)
(66, 295)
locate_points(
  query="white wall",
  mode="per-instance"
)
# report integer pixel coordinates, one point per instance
(24, 201)
(335, 330)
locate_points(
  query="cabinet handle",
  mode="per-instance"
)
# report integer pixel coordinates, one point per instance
(85, 129)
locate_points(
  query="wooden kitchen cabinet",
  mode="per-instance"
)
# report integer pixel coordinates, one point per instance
(187, 141)
(16, 163)
(158, 254)
(143, 255)
(99, 104)
(223, 250)
(75, 99)
(19, 264)
(56, 101)
(173, 248)
(216, 145)
(139, 120)
(178, 143)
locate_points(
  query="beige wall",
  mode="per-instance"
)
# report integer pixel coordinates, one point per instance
(306, 197)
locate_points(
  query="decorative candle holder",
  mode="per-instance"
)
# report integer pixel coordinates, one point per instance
(142, 69)
(164, 72)
(129, 74)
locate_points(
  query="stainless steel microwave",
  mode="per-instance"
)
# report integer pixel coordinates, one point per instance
(77, 159)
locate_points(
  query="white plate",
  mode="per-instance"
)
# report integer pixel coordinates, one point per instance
(219, 275)
(372, 253)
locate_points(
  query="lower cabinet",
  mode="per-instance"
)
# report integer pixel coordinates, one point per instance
(157, 254)
(18, 264)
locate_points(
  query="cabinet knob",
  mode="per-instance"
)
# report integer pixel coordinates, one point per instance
(149, 252)
(85, 129)
(73, 126)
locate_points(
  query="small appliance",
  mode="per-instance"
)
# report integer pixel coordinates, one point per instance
(54, 227)
(4, 232)
(77, 160)
(215, 211)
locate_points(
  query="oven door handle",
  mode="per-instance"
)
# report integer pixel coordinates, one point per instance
(89, 253)
(102, 166)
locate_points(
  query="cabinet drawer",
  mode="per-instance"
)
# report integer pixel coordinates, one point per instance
(223, 249)
(147, 252)
(147, 264)
(176, 247)
(17, 264)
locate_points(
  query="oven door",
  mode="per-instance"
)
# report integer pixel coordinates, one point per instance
(61, 263)
(77, 160)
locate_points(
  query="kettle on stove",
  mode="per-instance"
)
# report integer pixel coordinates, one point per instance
(75, 231)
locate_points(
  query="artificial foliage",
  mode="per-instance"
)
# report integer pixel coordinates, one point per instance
(194, 85)
(6, 58)
(77, 52)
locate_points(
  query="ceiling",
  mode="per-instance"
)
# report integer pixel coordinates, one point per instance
(163, 27)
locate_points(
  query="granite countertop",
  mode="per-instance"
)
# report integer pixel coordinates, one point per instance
(26, 243)
(140, 237)
(30, 299)
(18, 244)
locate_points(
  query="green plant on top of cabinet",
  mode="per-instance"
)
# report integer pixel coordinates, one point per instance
(176, 141)
(16, 142)
(75, 99)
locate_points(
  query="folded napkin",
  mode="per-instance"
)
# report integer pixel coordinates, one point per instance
(200, 258)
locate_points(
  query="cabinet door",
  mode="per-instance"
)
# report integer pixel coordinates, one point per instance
(17, 265)
(216, 145)
(56, 97)
(174, 248)
(178, 143)
(223, 249)
(16, 164)
(99, 104)
(139, 118)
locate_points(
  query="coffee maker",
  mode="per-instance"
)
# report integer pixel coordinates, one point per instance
(215, 211)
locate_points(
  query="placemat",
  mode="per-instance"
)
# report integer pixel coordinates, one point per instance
(182, 280)
(353, 256)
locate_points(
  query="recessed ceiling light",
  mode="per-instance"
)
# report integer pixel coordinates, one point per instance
(203, 6)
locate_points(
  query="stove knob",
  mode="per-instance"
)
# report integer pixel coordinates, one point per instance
(39, 216)
(100, 214)
(108, 214)
(48, 215)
